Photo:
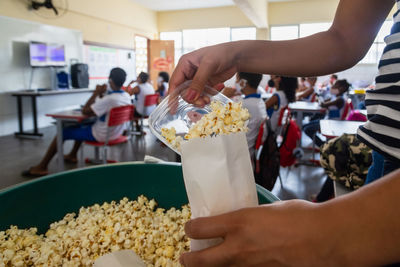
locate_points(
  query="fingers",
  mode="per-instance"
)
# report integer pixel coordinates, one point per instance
(206, 69)
(213, 256)
(183, 71)
(208, 227)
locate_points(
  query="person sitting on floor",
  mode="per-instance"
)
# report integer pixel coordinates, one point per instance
(99, 104)
(247, 84)
(335, 108)
(285, 94)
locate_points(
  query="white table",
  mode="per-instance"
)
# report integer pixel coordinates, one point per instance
(34, 94)
(302, 107)
(335, 128)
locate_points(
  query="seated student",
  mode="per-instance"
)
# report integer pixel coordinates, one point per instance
(99, 104)
(162, 83)
(302, 84)
(285, 94)
(247, 84)
(141, 89)
(335, 108)
(309, 90)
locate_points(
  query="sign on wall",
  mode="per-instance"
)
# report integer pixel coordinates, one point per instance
(102, 59)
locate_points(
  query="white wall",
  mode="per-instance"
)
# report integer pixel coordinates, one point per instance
(15, 70)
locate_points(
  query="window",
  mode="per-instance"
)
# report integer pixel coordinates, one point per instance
(288, 32)
(141, 54)
(192, 39)
(177, 38)
(307, 29)
(376, 50)
(195, 39)
(238, 34)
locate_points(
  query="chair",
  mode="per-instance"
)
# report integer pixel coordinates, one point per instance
(116, 116)
(149, 101)
(348, 107)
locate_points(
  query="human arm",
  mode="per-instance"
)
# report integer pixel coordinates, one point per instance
(304, 94)
(229, 92)
(359, 229)
(339, 102)
(98, 92)
(272, 101)
(133, 90)
(355, 26)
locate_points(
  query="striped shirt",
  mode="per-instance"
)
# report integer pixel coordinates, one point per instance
(382, 131)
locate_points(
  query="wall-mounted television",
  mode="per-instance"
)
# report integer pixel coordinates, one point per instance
(44, 55)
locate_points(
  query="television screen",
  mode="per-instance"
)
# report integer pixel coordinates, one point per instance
(42, 54)
(38, 54)
(55, 55)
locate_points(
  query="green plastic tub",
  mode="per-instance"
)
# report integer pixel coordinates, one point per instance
(40, 202)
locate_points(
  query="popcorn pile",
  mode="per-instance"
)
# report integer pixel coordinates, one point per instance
(223, 119)
(155, 235)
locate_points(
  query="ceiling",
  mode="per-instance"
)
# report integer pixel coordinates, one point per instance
(163, 5)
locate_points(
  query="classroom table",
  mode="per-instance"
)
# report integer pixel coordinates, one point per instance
(302, 107)
(34, 94)
(335, 128)
(68, 116)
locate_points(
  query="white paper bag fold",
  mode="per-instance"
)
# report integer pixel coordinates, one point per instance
(218, 177)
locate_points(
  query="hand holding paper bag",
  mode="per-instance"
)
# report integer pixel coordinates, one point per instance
(218, 177)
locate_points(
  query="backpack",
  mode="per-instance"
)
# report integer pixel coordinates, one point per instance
(267, 167)
(289, 143)
(346, 160)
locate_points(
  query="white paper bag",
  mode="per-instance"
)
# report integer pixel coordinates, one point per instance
(218, 177)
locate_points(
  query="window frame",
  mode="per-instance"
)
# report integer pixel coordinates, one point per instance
(375, 43)
(230, 33)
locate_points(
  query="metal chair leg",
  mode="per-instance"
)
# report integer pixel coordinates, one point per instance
(96, 154)
(104, 155)
(81, 160)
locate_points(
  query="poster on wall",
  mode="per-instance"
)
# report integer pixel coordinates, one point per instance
(102, 59)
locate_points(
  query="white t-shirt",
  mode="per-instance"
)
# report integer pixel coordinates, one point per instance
(282, 102)
(261, 90)
(257, 110)
(145, 89)
(101, 107)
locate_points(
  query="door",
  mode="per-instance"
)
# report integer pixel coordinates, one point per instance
(161, 58)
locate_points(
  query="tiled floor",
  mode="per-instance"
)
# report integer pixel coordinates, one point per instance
(18, 154)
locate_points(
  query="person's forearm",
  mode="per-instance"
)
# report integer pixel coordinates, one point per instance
(339, 48)
(87, 110)
(365, 224)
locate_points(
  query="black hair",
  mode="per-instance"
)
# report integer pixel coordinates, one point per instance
(164, 75)
(144, 77)
(334, 76)
(342, 84)
(253, 79)
(118, 76)
(289, 85)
